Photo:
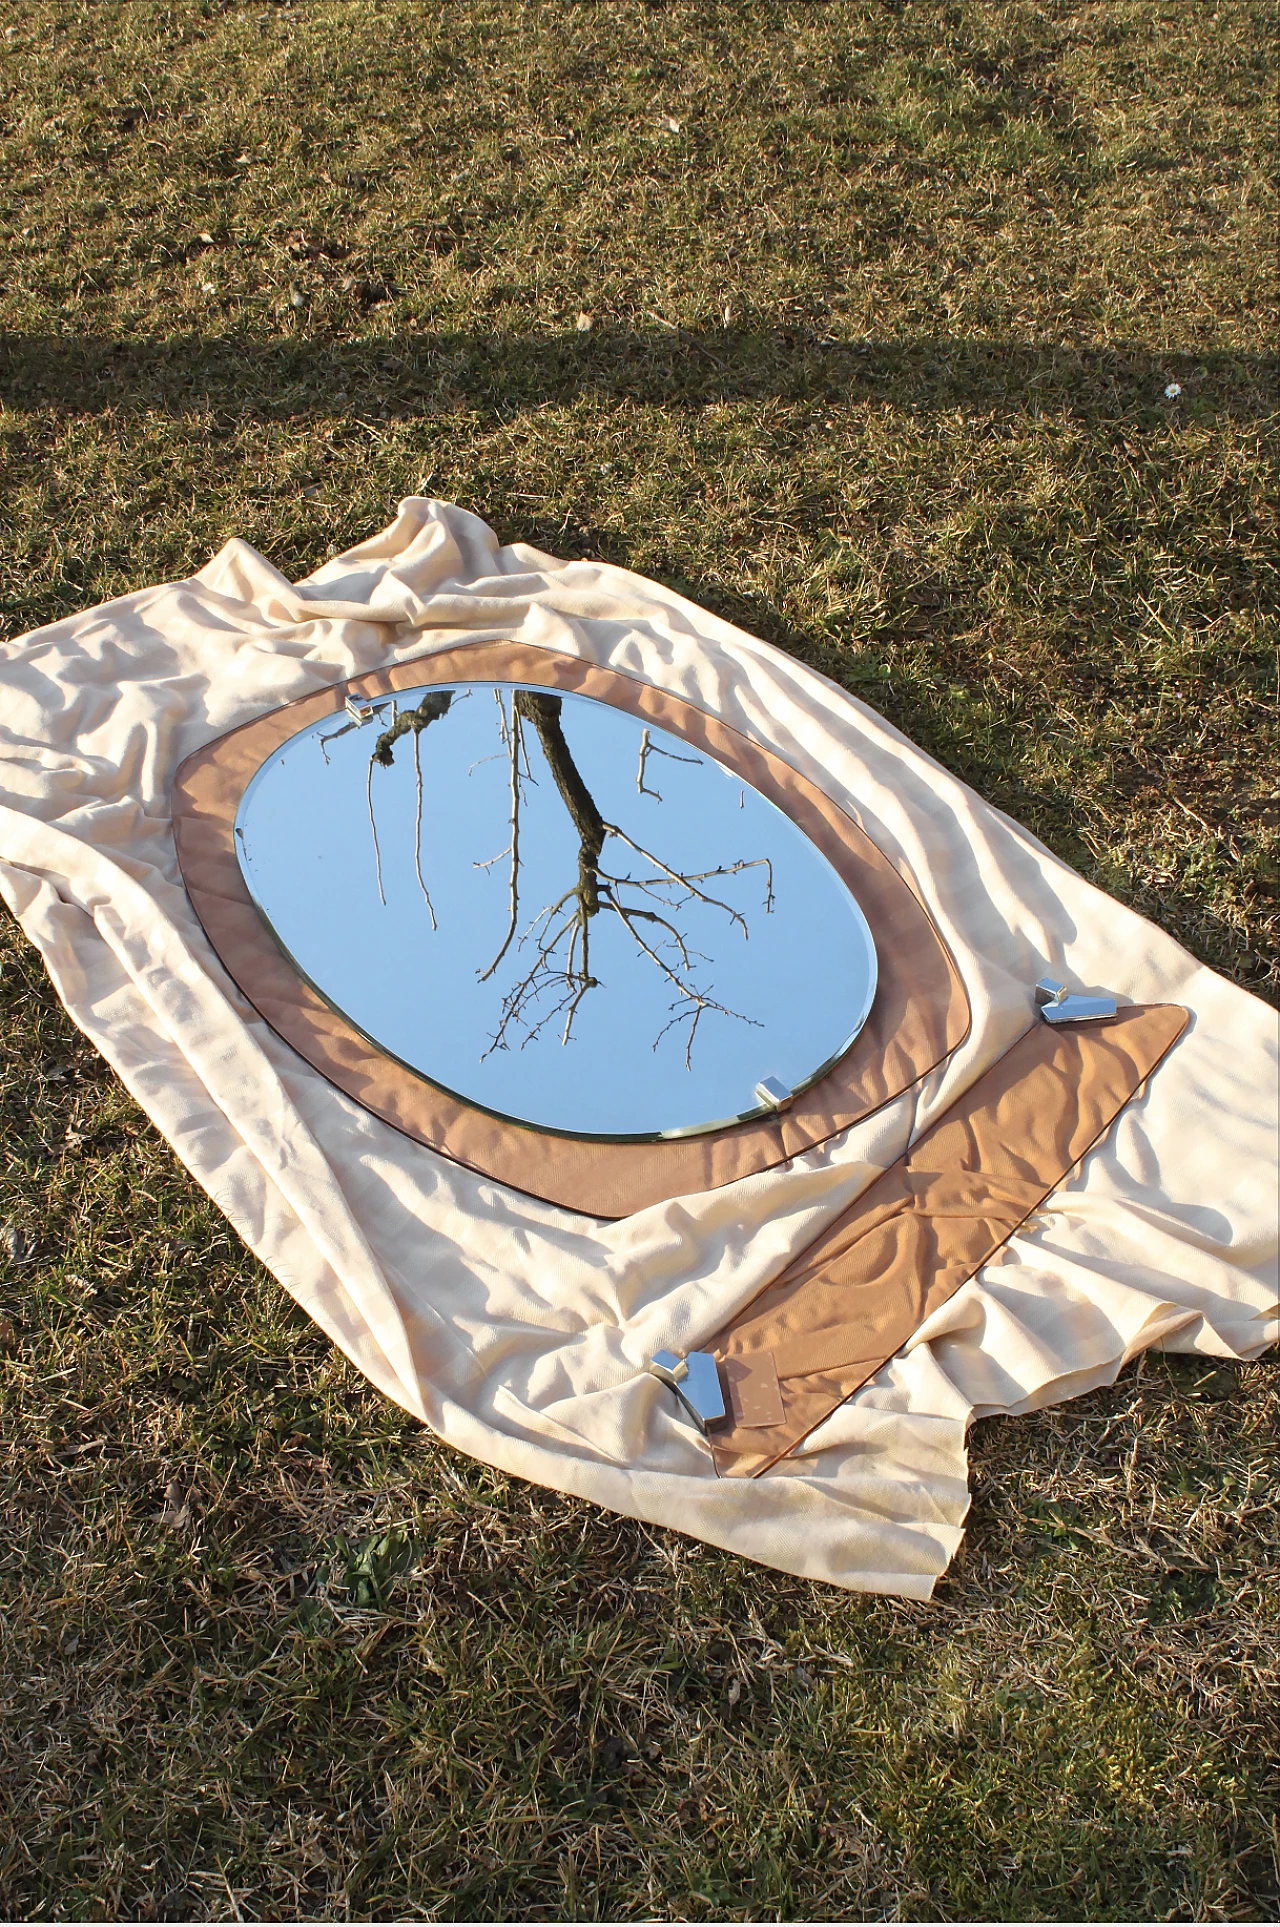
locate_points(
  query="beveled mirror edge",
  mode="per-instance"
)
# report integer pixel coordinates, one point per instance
(920, 1015)
(755, 1114)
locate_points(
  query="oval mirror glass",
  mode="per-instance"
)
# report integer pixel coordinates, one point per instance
(556, 912)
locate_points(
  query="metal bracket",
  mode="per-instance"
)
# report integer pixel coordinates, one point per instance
(360, 712)
(1058, 1005)
(773, 1092)
(695, 1380)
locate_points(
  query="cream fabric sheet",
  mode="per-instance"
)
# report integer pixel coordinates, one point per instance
(517, 1330)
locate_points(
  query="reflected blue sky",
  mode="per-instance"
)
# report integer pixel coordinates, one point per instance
(721, 947)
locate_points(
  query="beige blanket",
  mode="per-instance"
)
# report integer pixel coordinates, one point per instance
(517, 1330)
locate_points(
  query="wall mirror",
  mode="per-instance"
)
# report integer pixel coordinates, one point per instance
(556, 911)
(569, 929)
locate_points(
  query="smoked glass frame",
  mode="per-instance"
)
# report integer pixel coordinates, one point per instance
(919, 1016)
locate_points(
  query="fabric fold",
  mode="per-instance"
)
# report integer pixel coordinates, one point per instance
(518, 1329)
(931, 1222)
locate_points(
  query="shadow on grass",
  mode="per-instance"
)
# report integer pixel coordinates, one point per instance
(312, 374)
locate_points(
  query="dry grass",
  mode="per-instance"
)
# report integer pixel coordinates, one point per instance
(880, 336)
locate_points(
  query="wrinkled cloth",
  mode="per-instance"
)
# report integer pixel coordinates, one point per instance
(517, 1330)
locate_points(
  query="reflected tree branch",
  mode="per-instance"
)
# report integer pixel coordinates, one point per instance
(689, 883)
(435, 704)
(649, 748)
(345, 730)
(514, 733)
(417, 829)
(554, 985)
(556, 946)
(373, 827)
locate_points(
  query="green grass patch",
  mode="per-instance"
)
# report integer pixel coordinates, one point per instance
(856, 323)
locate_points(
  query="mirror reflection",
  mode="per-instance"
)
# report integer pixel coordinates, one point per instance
(556, 911)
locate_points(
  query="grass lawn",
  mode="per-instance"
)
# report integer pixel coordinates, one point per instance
(929, 341)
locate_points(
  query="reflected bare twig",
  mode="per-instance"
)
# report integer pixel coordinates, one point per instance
(346, 730)
(435, 704)
(556, 945)
(649, 748)
(417, 829)
(559, 976)
(514, 736)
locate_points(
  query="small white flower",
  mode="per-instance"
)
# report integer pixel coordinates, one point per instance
(208, 287)
(1173, 390)
(583, 323)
